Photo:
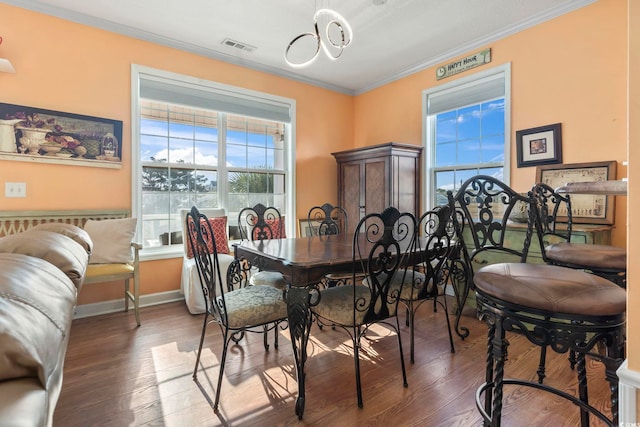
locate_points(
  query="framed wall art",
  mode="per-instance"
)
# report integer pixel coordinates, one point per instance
(539, 146)
(39, 135)
(586, 208)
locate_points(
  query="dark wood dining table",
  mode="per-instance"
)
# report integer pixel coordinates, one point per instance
(303, 262)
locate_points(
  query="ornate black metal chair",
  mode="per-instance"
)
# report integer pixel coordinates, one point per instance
(383, 244)
(435, 244)
(557, 307)
(482, 207)
(236, 308)
(557, 248)
(262, 223)
(327, 220)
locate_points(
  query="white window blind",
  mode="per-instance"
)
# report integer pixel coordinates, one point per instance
(465, 94)
(205, 97)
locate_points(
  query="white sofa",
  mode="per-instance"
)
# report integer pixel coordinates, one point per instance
(190, 282)
(41, 272)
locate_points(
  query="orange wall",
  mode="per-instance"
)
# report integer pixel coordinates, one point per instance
(633, 227)
(69, 67)
(571, 70)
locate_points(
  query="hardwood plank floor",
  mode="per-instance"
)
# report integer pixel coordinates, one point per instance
(119, 375)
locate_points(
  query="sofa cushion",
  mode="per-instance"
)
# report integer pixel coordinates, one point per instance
(56, 248)
(40, 298)
(21, 402)
(111, 240)
(74, 232)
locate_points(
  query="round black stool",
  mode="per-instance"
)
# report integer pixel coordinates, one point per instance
(552, 306)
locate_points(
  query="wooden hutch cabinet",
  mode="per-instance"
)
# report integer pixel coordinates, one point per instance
(373, 178)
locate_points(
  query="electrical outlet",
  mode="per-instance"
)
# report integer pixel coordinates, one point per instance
(15, 189)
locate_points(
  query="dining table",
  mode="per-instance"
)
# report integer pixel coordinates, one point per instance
(303, 261)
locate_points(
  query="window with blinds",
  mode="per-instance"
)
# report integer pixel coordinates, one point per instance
(466, 131)
(199, 144)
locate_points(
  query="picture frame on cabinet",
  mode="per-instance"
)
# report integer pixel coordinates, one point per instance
(305, 229)
(47, 136)
(539, 146)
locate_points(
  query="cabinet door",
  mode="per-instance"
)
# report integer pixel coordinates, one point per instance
(376, 191)
(351, 197)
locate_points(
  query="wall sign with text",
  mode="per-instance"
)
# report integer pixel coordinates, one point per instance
(464, 64)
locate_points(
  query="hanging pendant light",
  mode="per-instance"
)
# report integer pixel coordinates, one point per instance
(336, 36)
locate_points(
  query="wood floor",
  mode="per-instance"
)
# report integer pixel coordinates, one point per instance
(119, 375)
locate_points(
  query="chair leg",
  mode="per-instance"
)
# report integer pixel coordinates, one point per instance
(404, 371)
(222, 363)
(446, 313)
(572, 359)
(276, 333)
(134, 297)
(356, 357)
(541, 366)
(204, 330)
(265, 338)
(499, 347)
(412, 316)
(582, 388)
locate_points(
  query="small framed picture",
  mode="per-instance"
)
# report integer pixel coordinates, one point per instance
(305, 229)
(539, 146)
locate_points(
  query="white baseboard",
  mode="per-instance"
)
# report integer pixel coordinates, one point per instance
(629, 383)
(113, 306)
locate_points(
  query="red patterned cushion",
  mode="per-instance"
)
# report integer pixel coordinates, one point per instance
(277, 228)
(219, 227)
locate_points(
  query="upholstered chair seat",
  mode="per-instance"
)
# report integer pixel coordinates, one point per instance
(587, 256)
(253, 305)
(551, 288)
(274, 279)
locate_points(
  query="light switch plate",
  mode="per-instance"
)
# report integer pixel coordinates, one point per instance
(15, 189)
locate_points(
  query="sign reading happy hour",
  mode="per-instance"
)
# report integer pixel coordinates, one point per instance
(464, 64)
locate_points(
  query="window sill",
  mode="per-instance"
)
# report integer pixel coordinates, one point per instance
(161, 252)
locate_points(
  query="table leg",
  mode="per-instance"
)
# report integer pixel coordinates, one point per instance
(299, 316)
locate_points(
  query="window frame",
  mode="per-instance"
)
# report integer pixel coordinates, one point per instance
(428, 129)
(138, 72)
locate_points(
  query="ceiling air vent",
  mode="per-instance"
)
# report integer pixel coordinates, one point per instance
(238, 45)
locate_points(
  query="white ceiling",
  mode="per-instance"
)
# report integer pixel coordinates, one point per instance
(391, 38)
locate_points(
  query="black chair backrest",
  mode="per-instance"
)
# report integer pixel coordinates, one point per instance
(203, 245)
(260, 223)
(554, 212)
(383, 244)
(485, 203)
(554, 220)
(327, 220)
(435, 243)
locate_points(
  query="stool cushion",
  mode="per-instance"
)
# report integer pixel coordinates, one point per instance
(589, 256)
(551, 288)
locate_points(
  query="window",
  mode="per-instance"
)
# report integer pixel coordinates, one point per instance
(207, 145)
(466, 133)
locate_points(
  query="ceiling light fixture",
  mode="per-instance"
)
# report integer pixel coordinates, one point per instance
(336, 36)
(5, 64)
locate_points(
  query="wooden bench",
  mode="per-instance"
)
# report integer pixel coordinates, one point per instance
(12, 222)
